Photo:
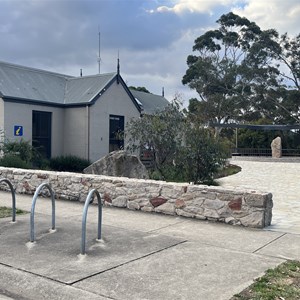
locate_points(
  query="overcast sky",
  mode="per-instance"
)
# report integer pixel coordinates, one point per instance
(153, 37)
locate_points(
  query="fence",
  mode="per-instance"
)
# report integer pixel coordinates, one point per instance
(262, 152)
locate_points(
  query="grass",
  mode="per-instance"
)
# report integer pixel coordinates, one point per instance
(7, 212)
(228, 170)
(281, 283)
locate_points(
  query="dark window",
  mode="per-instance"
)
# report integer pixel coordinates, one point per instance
(116, 132)
(41, 132)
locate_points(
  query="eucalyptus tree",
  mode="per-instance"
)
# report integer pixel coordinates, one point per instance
(289, 100)
(233, 69)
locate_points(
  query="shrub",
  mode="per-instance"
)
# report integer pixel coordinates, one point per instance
(200, 157)
(69, 163)
(13, 161)
(22, 149)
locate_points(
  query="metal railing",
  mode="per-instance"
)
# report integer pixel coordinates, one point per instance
(262, 152)
(35, 196)
(88, 201)
(13, 194)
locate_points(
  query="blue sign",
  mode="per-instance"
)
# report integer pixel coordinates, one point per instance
(18, 130)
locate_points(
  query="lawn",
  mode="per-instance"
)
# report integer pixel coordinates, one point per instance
(281, 283)
(7, 212)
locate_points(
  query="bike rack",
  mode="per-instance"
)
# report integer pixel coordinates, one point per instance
(88, 201)
(13, 194)
(35, 196)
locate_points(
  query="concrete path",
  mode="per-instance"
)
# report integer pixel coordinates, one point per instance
(140, 256)
(281, 177)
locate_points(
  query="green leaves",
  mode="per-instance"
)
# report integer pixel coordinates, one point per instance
(237, 69)
(182, 151)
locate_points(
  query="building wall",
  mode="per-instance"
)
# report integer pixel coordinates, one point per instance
(21, 114)
(114, 101)
(76, 132)
(80, 131)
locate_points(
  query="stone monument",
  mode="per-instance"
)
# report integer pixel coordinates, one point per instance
(119, 164)
(276, 147)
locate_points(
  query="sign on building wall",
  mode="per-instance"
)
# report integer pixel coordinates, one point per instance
(18, 130)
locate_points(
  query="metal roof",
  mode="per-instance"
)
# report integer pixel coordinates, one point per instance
(19, 82)
(85, 89)
(150, 103)
(28, 83)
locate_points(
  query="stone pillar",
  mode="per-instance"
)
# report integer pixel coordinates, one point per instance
(276, 147)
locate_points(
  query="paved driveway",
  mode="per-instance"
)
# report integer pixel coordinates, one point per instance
(282, 179)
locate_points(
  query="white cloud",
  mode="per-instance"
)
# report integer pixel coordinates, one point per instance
(193, 6)
(284, 16)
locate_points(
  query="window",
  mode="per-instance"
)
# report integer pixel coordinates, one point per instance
(116, 132)
(41, 132)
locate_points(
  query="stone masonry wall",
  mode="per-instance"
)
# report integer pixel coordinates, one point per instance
(236, 207)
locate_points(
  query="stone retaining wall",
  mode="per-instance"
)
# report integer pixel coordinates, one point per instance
(237, 207)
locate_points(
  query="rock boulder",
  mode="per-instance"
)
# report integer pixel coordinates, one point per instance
(276, 148)
(118, 164)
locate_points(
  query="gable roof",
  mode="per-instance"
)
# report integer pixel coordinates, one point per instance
(28, 83)
(19, 83)
(85, 89)
(150, 103)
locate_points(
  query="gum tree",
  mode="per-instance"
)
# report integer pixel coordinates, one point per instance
(232, 68)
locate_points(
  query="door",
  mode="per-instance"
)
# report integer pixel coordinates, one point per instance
(41, 132)
(116, 132)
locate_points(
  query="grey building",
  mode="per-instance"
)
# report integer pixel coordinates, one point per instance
(63, 115)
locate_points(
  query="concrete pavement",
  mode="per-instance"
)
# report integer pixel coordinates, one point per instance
(281, 177)
(141, 255)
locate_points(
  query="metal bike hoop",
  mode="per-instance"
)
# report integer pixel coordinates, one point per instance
(13, 194)
(35, 196)
(88, 201)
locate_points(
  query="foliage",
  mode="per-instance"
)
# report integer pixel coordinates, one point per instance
(181, 150)
(201, 156)
(7, 212)
(290, 57)
(69, 163)
(279, 283)
(22, 149)
(17, 154)
(160, 133)
(14, 161)
(232, 64)
(228, 170)
(243, 73)
(249, 138)
(140, 89)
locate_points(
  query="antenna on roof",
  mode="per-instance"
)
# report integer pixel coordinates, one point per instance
(163, 91)
(80, 72)
(118, 67)
(99, 57)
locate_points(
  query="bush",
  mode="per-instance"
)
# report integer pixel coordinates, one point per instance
(13, 161)
(69, 163)
(22, 149)
(201, 156)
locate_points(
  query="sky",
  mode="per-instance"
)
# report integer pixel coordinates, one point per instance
(152, 38)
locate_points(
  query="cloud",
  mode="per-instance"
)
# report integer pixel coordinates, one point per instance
(281, 15)
(193, 6)
(62, 36)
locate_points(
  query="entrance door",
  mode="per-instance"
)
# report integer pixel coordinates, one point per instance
(41, 132)
(116, 132)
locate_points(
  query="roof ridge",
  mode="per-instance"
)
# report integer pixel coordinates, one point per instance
(16, 66)
(93, 76)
